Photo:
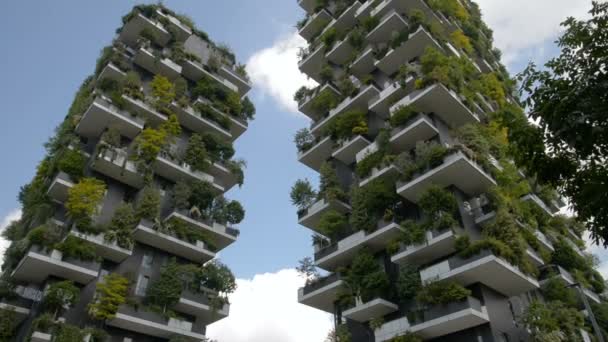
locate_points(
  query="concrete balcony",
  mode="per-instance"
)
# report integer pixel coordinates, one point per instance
(237, 126)
(115, 164)
(38, 264)
(308, 5)
(556, 205)
(131, 31)
(443, 102)
(39, 336)
(107, 250)
(315, 24)
(310, 217)
(322, 293)
(195, 72)
(382, 103)
(221, 235)
(484, 65)
(544, 240)
(346, 21)
(61, 185)
(342, 252)
(552, 271)
(534, 258)
(388, 172)
(144, 110)
(181, 31)
(364, 64)
(357, 102)
(341, 52)
(195, 122)
(306, 106)
(195, 252)
(390, 22)
(485, 268)
(317, 154)
(412, 48)
(312, 62)
(364, 312)
(19, 306)
(146, 58)
(112, 72)
(536, 200)
(223, 176)
(404, 138)
(152, 324)
(235, 78)
(407, 6)
(437, 321)
(103, 114)
(347, 151)
(198, 304)
(456, 169)
(435, 246)
(176, 170)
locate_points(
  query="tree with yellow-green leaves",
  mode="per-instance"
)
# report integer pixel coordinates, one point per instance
(109, 295)
(163, 91)
(84, 197)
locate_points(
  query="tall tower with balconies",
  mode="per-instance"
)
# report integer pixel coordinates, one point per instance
(425, 227)
(126, 213)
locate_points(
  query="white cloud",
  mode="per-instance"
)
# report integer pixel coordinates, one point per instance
(266, 309)
(523, 27)
(275, 72)
(12, 216)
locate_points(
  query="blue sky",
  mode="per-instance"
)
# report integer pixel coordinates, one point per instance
(49, 47)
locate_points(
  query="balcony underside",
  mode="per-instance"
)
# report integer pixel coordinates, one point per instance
(60, 188)
(456, 170)
(407, 6)
(157, 65)
(370, 310)
(413, 48)
(441, 101)
(318, 154)
(386, 98)
(323, 298)
(346, 20)
(148, 327)
(236, 79)
(216, 232)
(405, 139)
(432, 249)
(196, 123)
(195, 72)
(131, 31)
(36, 268)
(341, 52)
(388, 172)
(383, 32)
(347, 153)
(317, 210)
(315, 24)
(308, 5)
(203, 311)
(223, 176)
(172, 244)
(101, 115)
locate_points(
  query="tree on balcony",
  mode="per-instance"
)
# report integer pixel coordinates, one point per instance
(109, 295)
(8, 325)
(442, 293)
(365, 279)
(84, 198)
(302, 194)
(120, 228)
(553, 322)
(148, 207)
(60, 296)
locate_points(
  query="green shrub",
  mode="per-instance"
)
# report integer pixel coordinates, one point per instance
(555, 289)
(196, 153)
(109, 294)
(74, 247)
(333, 224)
(366, 278)
(60, 295)
(148, 206)
(84, 197)
(304, 140)
(324, 102)
(441, 293)
(326, 74)
(347, 125)
(370, 203)
(329, 37)
(72, 162)
(302, 194)
(408, 282)
(120, 228)
(402, 115)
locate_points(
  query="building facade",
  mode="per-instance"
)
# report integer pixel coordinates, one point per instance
(426, 229)
(123, 220)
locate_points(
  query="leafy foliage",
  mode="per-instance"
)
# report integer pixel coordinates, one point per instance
(60, 295)
(366, 278)
(553, 322)
(440, 293)
(302, 194)
(84, 197)
(109, 295)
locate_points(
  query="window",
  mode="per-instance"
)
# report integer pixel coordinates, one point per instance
(147, 259)
(142, 285)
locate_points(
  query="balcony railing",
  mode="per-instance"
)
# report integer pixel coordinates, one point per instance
(115, 163)
(222, 235)
(102, 114)
(131, 31)
(437, 244)
(199, 304)
(107, 250)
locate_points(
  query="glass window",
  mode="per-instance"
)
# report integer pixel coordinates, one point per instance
(142, 285)
(147, 259)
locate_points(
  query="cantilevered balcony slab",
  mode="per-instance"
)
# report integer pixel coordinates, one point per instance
(322, 293)
(387, 172)
(485, 268)
(341, 52)
(534, 258)
(544, 240)
(222, 175)
(195, 122)
(307, 108)
(557, 271)
(456, 170)
(157, 65)
(176, 171)
(103, 114)
(38, 264)
(131, 31)
(390, 22)
(107, 250)
(348, 150)
(310, 217)
(342, 253)
(364, 64)
(311, 64)
(181, 31)
(144, 233)
(144, 110)
(38, 336)
(235, 78)
(381, 104)
(443, 102)
(435, 246)
(364, 312)
(357, 102)
(112, 72)
(414, 47)
(115, 164)
(195, 72)
(318, 154)
(19, 306)
(407, 6)
(346, 21)
(556, 205)
(198, 304)
(536, 200)
(404, 138)
(152, 324)
(315, 24)
(237, 126)
(221, 235)
(60, 187)
(308, 5)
